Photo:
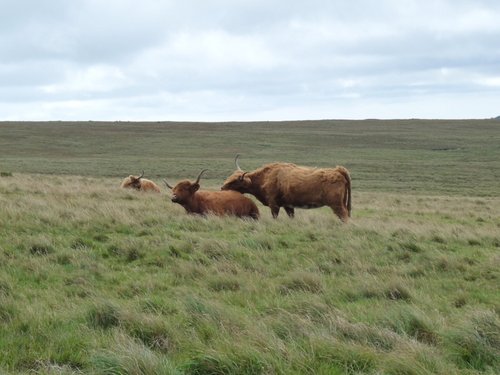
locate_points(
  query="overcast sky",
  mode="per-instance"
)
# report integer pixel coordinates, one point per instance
(241, 60)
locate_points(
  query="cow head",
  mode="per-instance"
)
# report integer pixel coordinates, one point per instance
(184, 190)
(134, 182)
(238, 181)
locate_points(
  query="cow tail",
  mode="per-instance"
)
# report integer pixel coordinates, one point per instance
(347, 199)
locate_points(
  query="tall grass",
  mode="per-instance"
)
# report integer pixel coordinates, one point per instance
(100, 280)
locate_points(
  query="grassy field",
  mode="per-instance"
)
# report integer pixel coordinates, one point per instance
(445, 157)
(98, 280)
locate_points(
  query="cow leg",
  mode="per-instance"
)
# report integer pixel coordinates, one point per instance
(275, 210)
(290, 211)
(341, 212)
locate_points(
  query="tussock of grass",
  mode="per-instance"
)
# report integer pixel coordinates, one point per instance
(233, 363)
(5, 288)
(128, 356)
(397, 291)
(476, 343)
(346, 358)
(104, 315)
(411, 322)
(42, 246)
(151, 330)
(7, 312)
(223, 283)
(301, 282)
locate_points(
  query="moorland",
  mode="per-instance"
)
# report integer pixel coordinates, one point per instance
(100, 280)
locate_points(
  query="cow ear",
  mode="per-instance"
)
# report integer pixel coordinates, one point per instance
(195, 187)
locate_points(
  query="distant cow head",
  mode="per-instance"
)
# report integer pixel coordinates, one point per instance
(133, 182)
(239, 180)
(184, 190)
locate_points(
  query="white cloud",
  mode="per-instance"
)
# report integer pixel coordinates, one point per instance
(489, 81)
(95, 78)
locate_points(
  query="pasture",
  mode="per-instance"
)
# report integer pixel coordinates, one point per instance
(100, 280)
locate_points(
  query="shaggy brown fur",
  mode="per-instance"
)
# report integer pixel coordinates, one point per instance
(290, 186)
(195, 201)
(139, 183)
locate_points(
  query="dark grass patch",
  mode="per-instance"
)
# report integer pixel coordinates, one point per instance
(63, 259)
(180, 249)
(405, 249)
(438, 239)
(104, 316)
(233, 363)
(154, 305)
(81, 244)
(443, 265)
(224, 284)
(152, 332)
(129, 253)
(133, 254)
(411, 246)
(5, 288)
(460, 302)
(259, 243)
(144, 233)
(361, 294)
(397, 292)
(416, 272)
(114, 251)
(328, 266)
(473, 242)
(6, 174)
(41, 249)
(101, 237)
(301, 282)
(7, 312)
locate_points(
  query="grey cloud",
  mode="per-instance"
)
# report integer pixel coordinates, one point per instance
(170, 58)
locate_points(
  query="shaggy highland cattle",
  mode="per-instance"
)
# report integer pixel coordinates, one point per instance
(139, 183)
(202, 202)
(290, 186)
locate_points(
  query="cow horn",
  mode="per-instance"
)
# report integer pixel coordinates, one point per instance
(199, 176)
(141, 176)
(166, 183)
(236, 162)
(242, 176)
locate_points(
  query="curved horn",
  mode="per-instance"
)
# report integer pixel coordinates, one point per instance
(199, 176)
(166, 183)
(236, 162)
(141, 176)
(242, 176)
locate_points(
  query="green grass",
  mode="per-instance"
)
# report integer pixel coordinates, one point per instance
(98, 280)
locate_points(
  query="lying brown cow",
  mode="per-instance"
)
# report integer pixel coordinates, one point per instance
(288, 185)
(140, 183)
(202, 202)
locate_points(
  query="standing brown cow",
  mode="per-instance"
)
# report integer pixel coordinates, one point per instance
(195, 201)
(288, 185)
(139, 183)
